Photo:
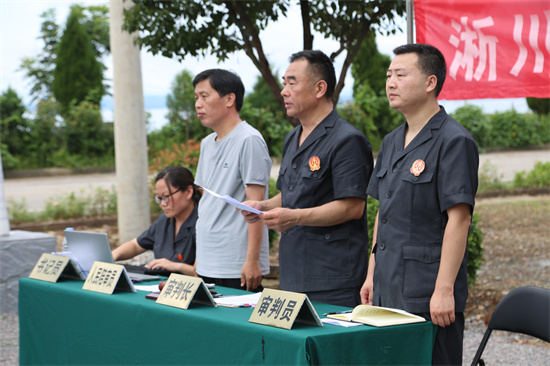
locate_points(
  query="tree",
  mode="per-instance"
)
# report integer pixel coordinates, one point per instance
(369, 92)
(182, 119)
(78, 75)
(261, 110)
(197, 27)
(85, 132)
(540, 106)
(14, 127)
(369, 67)
(39, 70)
(46, 136)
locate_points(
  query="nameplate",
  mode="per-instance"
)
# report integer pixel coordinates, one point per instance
(281, 309)
(180, 290)
(108, 277)
(51, 267)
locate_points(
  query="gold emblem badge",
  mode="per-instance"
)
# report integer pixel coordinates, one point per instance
(314, 163)
(418, 167)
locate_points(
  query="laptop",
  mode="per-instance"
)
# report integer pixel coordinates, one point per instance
(88, 247)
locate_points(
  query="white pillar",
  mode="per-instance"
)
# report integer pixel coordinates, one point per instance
(130, 131)
(4, 219)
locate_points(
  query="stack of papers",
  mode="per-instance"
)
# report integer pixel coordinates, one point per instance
(239, 301)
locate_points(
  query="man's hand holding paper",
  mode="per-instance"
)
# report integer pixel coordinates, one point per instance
(232, 201)
(252, 216)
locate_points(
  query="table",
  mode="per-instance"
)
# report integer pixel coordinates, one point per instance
(60, 323)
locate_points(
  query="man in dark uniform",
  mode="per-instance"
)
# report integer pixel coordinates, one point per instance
(321, 210)
(425, 179)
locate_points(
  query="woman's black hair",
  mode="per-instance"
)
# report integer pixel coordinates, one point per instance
(180, 178)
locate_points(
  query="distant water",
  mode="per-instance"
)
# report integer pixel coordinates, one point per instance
(155, 105)
(156, 118)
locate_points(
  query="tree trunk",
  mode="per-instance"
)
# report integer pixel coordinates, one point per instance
(130, 132)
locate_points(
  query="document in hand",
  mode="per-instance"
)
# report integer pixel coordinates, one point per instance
(232, 201)
(378, 316)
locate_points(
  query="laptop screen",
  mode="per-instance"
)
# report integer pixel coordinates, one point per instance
(88, 247)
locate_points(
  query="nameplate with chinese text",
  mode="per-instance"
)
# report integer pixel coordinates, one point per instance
(108, 277)
(180, 290)
(50, 267)
(281, 309)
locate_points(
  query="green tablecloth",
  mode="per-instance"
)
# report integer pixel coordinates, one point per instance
(62, 324)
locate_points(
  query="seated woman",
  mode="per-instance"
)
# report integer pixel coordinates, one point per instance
(172, 236)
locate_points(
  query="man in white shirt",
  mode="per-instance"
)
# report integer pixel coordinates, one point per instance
(234, 160)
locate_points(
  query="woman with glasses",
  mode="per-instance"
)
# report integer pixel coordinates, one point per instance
(172, 236)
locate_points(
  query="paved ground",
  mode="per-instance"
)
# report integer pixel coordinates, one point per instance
(35, 191)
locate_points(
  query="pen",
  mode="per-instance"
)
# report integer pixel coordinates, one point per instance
(338, 312)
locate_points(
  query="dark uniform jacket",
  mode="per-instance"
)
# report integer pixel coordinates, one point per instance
(334, 162)
(160, 239)
(415, 186)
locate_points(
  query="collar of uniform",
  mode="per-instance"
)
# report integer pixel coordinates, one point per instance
(424, 135)
(320, 130)
(189, 223)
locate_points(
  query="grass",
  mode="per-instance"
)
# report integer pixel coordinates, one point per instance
(101, 203)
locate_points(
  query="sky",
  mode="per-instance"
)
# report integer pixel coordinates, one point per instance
(20, 28)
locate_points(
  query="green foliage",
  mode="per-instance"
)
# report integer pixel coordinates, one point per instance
(369, 67)
(8, 160)
(473, 119)
(45, 137)
(540, 106)
(85, 132)
(512, 129)
(261, 111)
(195, 27)
(372, 115)
(40, 69)
(100, 203)
(475, 240)
(369, 93)
(475, 250)
(272, 126)
(536, 178)
(95, 19)
(14, 127)
(182, 120)
(362, 120)
(78, 75)
(544, 128)
(79, 140)
(261, 97)
(273, 191)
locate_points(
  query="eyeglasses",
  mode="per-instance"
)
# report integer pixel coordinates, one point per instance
(165, 198)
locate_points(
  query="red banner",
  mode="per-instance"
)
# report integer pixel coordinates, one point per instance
(493, 48)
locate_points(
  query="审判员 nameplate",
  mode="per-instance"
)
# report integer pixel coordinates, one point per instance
(108, 277)
(180, 290)
(281, 309)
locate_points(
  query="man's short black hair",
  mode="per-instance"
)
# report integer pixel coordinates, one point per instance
(224, 82)
(430, 61)
(321, 67)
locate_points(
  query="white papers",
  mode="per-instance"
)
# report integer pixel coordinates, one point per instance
(340, 323)
(147, 288)
(238, 301)
(233, 202)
